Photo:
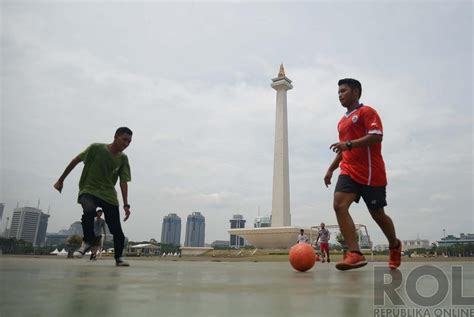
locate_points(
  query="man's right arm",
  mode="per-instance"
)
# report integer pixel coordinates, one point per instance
(334, 165)
(59, 184)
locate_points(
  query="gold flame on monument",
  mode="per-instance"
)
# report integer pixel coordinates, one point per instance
(281, 73)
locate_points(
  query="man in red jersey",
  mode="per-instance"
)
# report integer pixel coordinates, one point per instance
(359, 156)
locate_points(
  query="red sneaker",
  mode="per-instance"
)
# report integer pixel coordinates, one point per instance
(395, 256)
(352, 261)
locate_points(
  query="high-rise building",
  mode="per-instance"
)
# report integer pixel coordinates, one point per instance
(415, 244)
(2, 206)
(29, 224)
(43, 226)
(195, 228)
(237, 221)
(171, 230)
(262, 222)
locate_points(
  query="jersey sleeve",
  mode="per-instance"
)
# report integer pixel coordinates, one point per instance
(372, 122)
(124, 172)
(86, 154)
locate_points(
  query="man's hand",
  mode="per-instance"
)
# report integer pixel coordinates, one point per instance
(327, 178)
(58, 186)
(338, 147)
(127, 212)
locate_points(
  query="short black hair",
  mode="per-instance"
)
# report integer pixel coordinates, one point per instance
(351, 82)
(123, 130)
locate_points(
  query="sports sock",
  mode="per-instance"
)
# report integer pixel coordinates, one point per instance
(398, 244)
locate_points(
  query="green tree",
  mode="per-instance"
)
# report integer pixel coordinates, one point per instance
(73, 242)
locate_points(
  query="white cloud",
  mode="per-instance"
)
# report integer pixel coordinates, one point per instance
(194, 85)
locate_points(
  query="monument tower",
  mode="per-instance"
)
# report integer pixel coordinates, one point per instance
(281, 235)
(281, 216)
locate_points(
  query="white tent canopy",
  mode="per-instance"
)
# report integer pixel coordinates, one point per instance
(55, 252)
(63, 252)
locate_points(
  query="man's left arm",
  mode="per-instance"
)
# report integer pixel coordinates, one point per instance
(104, 230)
(125, 177)
(126, 206)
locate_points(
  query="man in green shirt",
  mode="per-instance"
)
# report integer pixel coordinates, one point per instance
(104, 164)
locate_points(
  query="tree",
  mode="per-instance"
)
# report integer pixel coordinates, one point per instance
(73, 242)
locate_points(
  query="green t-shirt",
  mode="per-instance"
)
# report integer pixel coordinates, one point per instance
(101, 172)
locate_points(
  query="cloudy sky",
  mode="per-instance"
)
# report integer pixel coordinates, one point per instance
(192, 80)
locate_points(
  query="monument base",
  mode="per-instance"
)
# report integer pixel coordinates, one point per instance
(270, 237)
(195, 251)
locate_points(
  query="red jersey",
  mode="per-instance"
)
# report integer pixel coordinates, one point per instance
(364, 165)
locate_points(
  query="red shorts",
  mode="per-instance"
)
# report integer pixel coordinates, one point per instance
(324, 246)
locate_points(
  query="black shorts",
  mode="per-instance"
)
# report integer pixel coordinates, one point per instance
(374, 196)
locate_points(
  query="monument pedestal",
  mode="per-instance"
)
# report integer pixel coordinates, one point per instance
(270, 237)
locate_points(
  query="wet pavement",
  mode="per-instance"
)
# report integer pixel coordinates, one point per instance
(71, 287)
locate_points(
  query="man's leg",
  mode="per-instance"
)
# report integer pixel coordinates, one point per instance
(386, 224)
(88, 207)
(354, 258)
(327, 253)
(88, 214)
(342, 202)
(92, 253)
(112, 218)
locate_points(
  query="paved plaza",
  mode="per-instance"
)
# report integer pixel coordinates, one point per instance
(70, 287)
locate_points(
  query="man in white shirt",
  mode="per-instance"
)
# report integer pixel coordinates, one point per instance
(324, 235)
(302, 238)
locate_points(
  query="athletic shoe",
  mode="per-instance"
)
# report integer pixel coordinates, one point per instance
(395, 256)
(82, 250)
(121, 262)
(323, 260)
(329, 261)
(352, 261)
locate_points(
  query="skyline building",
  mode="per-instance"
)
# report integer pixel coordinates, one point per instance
(237, 222)
(2, 206)
(29, 224)
(195, 230)
(262, 222)
(171, 229)
(415, 244)
(449, 240)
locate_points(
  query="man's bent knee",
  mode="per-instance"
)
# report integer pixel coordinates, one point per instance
(342, 202)
(378, 213)
(88, 205)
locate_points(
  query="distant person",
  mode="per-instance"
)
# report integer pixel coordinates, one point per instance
(302, 238)
(323, 236)
(104, 164)
(99, 232)
(359, 155)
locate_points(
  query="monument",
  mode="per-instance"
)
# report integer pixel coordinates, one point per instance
(281, 235)
(281, 216)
